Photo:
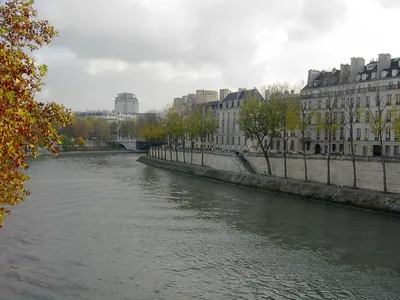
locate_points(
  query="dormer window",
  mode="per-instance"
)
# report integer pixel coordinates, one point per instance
(384, 73)
(364, 76)
(373, 75)
(395, 72)
(358, 77)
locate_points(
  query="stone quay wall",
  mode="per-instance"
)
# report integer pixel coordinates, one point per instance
(369, 169)
(361, 198)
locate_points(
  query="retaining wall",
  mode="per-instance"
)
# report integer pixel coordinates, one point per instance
(369, 169)
(389, 203)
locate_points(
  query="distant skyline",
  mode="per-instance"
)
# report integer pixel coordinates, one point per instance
(162, 49)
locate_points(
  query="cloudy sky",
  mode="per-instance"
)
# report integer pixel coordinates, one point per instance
(161, 49)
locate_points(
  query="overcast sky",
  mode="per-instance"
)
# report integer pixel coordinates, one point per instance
(161, 49)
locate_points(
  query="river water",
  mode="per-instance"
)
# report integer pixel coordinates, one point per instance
(107, 227)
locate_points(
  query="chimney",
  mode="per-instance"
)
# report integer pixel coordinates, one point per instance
(267, 94)
(384, 62)
(357, 66)
(344, 73)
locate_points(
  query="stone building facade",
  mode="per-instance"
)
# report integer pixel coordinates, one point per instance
(366, 89)
(229, 136)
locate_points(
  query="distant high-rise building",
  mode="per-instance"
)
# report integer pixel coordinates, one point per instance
(223, 93)
(203, 96)
(126, 103)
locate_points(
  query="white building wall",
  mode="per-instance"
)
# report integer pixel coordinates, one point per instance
(366, 93)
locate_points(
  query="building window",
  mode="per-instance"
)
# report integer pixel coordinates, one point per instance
(358, 102)
(396, 150)
(358, 137)
(365, 150)
(223, 127)
(319, 103)
(222, 140)
(291, 145)
(233, 140)
(326, 134)
(271, 146)
(367, 117)
(388, 116)
(278, 145)
(366, 134)
(342, 102)
(239, 140)
(229, 116)
(216, 140)
(342, 133)
(367, 101)
(397, 99)
(377, 101)
(389, 99)
(341, 148)
(387, 150)
(342, 117)
(318, 134)
(388, 131)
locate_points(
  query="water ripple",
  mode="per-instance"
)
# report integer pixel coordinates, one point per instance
(107, 227)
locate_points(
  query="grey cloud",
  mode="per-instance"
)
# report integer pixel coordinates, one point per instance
(323, 15)
(390, 3)
(187, 34)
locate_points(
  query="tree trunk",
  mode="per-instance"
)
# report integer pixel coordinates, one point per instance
(284, 152)
(165, 152)
(383, 164)
(202, 152)
(304, 157)
(353, 159)
(191, 154)
(184, 153)
(158, 152)
(265, 151)
(170, 149)
(328, 161)
(176, 152)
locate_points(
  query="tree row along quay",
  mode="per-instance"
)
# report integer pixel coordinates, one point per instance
(263, 120)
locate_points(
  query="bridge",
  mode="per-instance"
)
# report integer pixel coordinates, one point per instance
(135, 145)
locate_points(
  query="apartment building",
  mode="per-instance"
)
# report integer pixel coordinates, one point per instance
(126, 103)
(229, 136)
(208, 108)
(203, 96)
(367, 88)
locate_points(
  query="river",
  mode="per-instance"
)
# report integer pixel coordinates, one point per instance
(107, 227)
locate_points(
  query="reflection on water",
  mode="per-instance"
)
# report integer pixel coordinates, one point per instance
(107, 227)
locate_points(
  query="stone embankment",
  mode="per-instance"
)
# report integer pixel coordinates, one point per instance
(361, 198)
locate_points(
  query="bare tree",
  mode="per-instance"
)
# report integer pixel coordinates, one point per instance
(351, 112)
(379, 119)
(305, 114)
(330, 124)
